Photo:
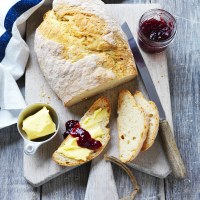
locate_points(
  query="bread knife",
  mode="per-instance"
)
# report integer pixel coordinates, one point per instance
(165, 131)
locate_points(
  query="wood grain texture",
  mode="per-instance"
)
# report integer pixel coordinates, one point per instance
(184, 71)
(12, 183)
(183, 63)
(171, 149)
(71, 185)
(101, 183)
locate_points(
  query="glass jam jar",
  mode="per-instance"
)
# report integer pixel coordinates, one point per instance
(157, 29)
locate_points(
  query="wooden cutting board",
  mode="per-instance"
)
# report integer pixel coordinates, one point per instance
(40, 168)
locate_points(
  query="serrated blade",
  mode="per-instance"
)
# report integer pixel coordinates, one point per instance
(143, 70)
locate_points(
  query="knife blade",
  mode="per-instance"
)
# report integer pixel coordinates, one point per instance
(144, 72)
(169, 142)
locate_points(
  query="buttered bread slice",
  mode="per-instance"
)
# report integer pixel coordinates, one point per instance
(82, 50)
(94, 121)
(151, 111)
(132, 125)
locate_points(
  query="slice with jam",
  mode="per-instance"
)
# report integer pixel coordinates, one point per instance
(86, 139)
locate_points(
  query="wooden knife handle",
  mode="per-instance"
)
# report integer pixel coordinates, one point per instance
(172, 151)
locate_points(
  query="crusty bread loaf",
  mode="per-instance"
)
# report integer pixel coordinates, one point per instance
(151, 111)
(100, 103)
(132, 125)
(81, 50)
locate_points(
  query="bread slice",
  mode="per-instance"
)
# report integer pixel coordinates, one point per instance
(100, 103)
(151, 111)
(132, 125)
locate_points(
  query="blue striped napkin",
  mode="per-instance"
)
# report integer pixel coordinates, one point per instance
(13, 55)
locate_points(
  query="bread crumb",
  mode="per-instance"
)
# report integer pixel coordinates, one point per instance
(42, 94)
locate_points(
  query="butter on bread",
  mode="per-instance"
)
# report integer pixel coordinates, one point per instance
(82, 50)
(152, 113)
(132, 124)
(61, 159)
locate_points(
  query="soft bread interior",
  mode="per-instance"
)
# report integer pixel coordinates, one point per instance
(132, 126)
(151, 111)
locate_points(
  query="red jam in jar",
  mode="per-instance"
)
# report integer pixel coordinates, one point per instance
(84, 138)
(157, 28)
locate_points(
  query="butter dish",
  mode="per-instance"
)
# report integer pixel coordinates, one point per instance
(32, 140)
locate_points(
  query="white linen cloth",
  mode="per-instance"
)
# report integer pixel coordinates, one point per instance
(13, 55)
